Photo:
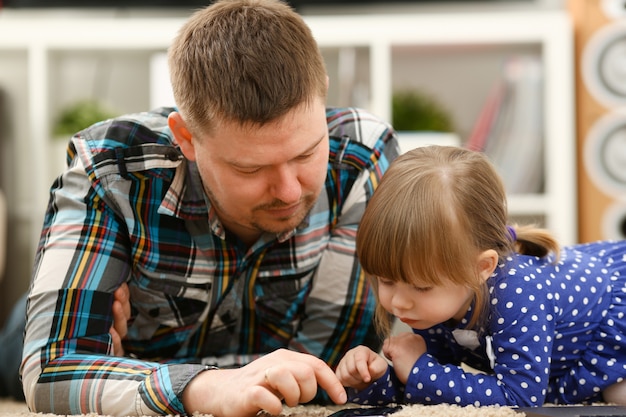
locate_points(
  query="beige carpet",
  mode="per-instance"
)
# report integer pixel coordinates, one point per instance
(16, 409)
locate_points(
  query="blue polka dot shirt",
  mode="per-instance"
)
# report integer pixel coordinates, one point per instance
(554, 333)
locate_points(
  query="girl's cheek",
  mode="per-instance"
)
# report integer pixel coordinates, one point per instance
(384, 297)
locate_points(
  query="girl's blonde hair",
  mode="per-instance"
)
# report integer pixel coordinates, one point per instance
(436, 209)
(245, 61)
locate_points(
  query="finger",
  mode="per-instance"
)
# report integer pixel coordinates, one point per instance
(363, 359)
(260, 398)
(120, 321)
(362, 366)
(378, 368)
(118, 350)
(122, 294)
(327, 379)
(351, 380)
(323, 375)
(283, 382)
(352, 369)
(291, 381)
(343, 371)
(346, 378)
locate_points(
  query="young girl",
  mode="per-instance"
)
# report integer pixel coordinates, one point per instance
(540, 324)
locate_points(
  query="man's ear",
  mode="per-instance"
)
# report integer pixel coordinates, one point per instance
(487, 262)
(182, 135)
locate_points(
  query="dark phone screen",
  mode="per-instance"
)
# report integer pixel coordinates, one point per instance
(366, 411)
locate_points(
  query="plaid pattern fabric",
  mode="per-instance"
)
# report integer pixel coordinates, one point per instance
(131, 209)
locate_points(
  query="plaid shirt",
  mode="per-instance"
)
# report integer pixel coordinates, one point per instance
(131, 209)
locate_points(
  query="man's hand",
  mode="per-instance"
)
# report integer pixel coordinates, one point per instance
(262, 385)
(121, 315)
(359, 367)
(403, 350)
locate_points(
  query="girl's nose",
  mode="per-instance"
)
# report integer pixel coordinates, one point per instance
(401, 300)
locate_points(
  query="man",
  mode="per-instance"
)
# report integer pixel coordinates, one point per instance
(232, 220)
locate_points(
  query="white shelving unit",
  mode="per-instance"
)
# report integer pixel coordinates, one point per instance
(37, 48)
(548, 32)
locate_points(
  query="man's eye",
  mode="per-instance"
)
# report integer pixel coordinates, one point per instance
(248, 171)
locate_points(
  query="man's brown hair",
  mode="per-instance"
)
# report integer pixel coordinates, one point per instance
(245, 61)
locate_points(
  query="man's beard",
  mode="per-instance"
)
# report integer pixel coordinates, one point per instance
(288, 223)
(278, 225)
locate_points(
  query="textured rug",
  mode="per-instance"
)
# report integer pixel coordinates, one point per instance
(17, 409)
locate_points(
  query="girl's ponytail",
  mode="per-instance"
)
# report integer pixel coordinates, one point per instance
(534, 241)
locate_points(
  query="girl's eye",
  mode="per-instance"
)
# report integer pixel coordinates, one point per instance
(383, 281)
(422, 289)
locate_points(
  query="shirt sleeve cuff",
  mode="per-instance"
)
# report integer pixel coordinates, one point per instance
(162, 390)
(385, 390)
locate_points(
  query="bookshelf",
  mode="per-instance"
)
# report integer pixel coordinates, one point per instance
(49, 62)
(442, 52)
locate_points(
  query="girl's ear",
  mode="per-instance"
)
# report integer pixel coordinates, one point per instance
(182, 135)
(487, 262)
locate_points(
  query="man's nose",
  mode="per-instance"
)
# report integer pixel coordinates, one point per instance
(285, 185)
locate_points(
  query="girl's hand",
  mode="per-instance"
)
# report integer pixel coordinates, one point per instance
(359, 367)
(403, 350)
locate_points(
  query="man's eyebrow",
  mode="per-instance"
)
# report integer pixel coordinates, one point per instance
(306, 151)
(315, 145)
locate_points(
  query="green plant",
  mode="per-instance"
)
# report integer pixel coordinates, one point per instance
(80, 115)
(418, 111)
